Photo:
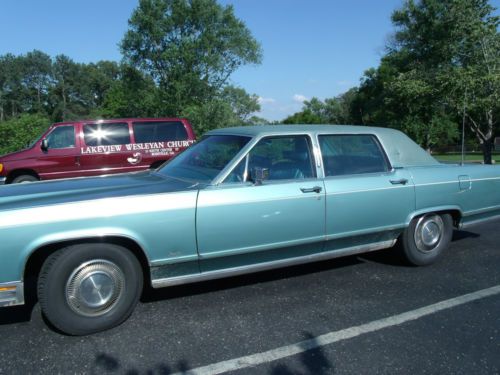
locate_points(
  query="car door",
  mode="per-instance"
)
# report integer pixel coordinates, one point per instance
(246, 220)
(367, 202)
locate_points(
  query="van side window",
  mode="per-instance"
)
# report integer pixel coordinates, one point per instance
(106, 134)
(352, 154)
(159, 131)
(62, 137)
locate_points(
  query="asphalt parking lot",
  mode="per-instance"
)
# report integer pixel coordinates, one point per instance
(366, 314)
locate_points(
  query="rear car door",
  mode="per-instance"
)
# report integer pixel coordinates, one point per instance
(240, 222)
(367, 201)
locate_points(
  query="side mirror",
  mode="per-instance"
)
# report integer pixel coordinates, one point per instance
(259, 174)
(45, 145)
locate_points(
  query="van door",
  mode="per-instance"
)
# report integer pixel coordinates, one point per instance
(106, 148)
(61, 158)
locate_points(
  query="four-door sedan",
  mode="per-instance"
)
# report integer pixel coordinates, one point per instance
(241, 200)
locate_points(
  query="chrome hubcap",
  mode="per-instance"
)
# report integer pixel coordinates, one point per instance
(95, 287)
(428, 232)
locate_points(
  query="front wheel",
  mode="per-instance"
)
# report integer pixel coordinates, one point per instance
(24, 179)
(88, 288)
(426, 238)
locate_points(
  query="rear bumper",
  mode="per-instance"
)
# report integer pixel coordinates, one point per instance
(11, 294)
(2, 180)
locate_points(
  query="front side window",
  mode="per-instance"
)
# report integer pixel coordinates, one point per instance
(61, 137)
(203, 161)
(106, 134)
(281, 158)
(352, 154)
(159, 131)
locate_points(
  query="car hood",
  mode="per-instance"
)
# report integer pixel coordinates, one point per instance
(13, 156)
(16, 196)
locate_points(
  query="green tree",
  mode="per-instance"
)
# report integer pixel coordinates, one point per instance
(452, 54)
(335, 110)
(234, 107)
(18, 133)
(306, 116)
(37, 69)
(133, 94)
(11, 87)
(190, 49)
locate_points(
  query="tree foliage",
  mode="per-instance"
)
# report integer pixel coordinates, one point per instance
(190, 49)
(442, 55)
(335, 110)
(18, 133)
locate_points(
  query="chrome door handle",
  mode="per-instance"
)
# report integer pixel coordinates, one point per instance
(402, 181)
(316, 189)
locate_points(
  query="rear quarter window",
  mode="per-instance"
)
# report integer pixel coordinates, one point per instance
(352, 154)
(145, 132)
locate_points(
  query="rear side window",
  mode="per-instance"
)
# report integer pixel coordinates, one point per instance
(352, 154)
(159, 131)
(106, 134)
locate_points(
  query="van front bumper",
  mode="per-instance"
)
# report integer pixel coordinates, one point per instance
(11, 294)
(2, 180)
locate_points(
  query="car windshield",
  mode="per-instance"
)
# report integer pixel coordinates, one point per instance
(203, 161)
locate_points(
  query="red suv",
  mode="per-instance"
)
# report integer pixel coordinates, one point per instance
(90, 148)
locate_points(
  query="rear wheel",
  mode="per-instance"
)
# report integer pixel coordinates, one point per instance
(426, 238)
(88, 288)
(24, 179)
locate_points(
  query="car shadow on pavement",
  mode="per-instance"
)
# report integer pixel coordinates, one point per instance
(151, 295)
(393, 257)
(311, 361)
(105, 363)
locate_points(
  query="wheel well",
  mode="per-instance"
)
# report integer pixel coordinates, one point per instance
(38, 257)
(19, 172)
(456, 215)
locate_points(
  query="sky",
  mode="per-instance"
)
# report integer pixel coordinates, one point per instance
(311, 48)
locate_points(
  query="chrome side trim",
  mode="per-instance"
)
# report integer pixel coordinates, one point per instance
(180, 280)
(2, 180)
(477, 222)
(12, 297)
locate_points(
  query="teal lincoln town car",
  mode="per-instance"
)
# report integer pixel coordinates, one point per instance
(240, 200)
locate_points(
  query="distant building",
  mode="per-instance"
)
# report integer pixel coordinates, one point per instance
(497, 144)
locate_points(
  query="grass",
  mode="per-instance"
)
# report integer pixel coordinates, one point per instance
(469, 157)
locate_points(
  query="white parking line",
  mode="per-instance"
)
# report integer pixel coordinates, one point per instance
(332, 337)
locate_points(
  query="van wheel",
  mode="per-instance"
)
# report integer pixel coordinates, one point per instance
(426, 238)
(88, 288)
(24, 179)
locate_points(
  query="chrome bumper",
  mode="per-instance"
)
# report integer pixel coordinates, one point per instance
(11, 294)
(2, 180)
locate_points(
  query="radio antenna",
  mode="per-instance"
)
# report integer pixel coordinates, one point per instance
(463, 127)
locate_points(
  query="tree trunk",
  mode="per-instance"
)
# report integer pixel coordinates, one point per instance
(487, 146)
